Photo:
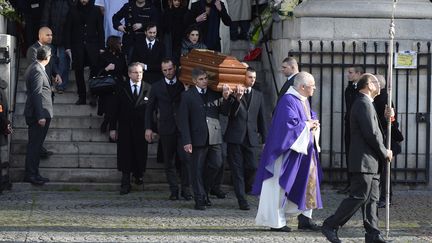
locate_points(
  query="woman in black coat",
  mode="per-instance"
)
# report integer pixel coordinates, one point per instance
(84, 40)
(111, 62)
(173, 28)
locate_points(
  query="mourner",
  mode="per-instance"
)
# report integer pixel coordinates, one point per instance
(127, 126)
(365, 160)
(245, 120)
(202, 134)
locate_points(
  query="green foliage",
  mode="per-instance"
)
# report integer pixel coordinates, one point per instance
(8, 11)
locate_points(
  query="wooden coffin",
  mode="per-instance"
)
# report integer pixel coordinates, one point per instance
(221, 69)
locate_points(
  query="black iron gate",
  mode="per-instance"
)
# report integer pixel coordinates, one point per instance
(329, 61)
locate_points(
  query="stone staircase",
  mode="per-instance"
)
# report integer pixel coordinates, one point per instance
(83, 157)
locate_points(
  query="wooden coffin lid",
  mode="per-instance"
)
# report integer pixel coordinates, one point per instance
(221, 69)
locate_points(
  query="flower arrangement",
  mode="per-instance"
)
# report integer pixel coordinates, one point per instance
(8, 11)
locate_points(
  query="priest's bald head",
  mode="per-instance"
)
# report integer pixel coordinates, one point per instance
(304, 83)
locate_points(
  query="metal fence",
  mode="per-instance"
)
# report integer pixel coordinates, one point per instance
(329, 61)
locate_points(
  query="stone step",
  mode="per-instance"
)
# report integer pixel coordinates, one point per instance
(71, 86)
(77, 148)
(66, 110)
(64, 122)
(19, 186)
(66, 135)
(99, 161)
(68, 97)
(87, 175)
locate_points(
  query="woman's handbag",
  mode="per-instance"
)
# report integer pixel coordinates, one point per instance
(101, 85)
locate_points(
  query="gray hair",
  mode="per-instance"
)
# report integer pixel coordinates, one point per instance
(135, 64)
(302, 78)
(196, 72)
(43, 52)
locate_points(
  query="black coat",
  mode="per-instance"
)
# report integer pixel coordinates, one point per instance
(199, 120)
(54, 16)
(84, 29)
(173, 28)
(118, 59)
(209, 29)
(166, 106)
(52, 67)
(131, 14)
(244, 120)
(128, 118)
(152, 58)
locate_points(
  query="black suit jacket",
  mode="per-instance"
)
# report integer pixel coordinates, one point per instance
(152, 58)
(246, 121)
(286, 86)
(165, 106)
(39, 102)
(199, 120)
(367, 144)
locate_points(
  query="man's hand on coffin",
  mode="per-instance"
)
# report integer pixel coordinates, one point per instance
(239, 92)
(226, 91)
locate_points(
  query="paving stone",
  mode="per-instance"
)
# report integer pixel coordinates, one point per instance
(147, 216)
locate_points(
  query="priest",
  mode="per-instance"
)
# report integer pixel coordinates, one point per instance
(289, 175)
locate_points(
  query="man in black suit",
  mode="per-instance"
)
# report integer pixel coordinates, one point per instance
(151, 52)
(165, 101)
(44, 39)
(202, 134)
(289, 70)
(367, 150)
(38, 112)
(351, 93)
(127, 126)
(246, 108)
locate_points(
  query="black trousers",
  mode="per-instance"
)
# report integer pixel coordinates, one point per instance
(206, 162)
(347, 148)
(36, 137)
(172, 147)
(243, 163)
(364, 194)
(82, 57)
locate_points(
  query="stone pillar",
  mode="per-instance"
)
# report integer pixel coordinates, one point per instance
(363, 21)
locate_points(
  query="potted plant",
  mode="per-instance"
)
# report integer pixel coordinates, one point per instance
(7, 12)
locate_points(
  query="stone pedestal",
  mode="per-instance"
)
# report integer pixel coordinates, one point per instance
(362, 21)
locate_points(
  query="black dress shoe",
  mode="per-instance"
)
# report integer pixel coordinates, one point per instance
(186, 195)
(374, 238)
(80, 101)
(43, 154)
(244, 206)
(330, 234)
(218, 193)
(305, 223)
(138, 180)
(34, 181)
(207, 201)
(125, 189)
(344, 191)
(200, 204)
(282, 229)
(174, 196)
(41, 178)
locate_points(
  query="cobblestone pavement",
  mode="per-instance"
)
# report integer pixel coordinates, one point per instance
(41, 216)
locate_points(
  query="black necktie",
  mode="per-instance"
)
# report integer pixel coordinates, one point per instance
(171, 82)
(150, 46)
(247, 96)
(135, 92)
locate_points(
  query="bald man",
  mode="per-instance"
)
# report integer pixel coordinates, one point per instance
(45, 39)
